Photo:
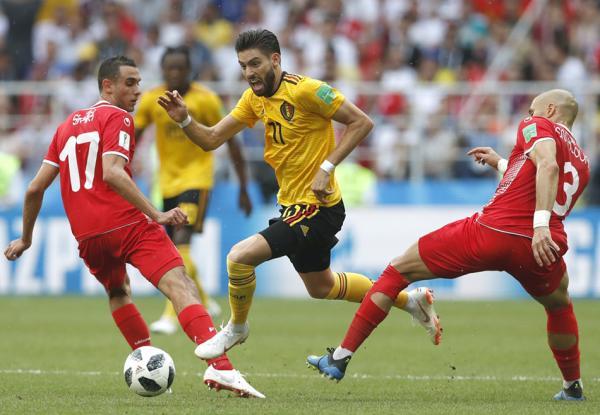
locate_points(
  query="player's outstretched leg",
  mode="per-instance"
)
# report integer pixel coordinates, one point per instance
(231, 380)
(420, 306)
(350, 286)
(242, 283)
(328, 366)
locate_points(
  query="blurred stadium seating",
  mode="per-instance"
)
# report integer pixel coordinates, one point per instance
(437, 77)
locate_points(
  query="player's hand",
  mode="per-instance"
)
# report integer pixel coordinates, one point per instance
(173, 217)
(485, 155)
(244, 202)
(545, 250)
(15, 249)
(320, 186)
(173, 103)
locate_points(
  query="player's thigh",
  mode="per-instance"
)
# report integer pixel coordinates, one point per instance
(459, 248)
(102, 255)
(557, 298)
(538, 281)
(149, 249)
(253, 250)
(316, 234)
(281, 238)
(411, 265)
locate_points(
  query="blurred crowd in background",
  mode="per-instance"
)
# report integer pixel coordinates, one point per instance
(396, 59)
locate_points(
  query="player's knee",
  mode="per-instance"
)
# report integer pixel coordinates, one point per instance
(318, 291)
(239, 254)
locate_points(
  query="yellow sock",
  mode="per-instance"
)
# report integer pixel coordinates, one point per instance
(192, 272)
(242, 283)
(401, 300)
(349, 286)
(352, 287)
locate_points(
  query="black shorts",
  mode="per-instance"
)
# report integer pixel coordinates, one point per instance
(193, 203)
(306, 234)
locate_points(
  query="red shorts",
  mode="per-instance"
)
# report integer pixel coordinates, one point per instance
(465, 246)
(145, 245)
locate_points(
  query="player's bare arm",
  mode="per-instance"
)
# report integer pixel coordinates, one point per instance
(207, 138)
(31, 208)
(358, 125)
(543, 156)
(114, 174)
(239, 164)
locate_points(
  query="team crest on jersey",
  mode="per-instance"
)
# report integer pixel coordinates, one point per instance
(287, 110)
(126, 121)
(89, 116)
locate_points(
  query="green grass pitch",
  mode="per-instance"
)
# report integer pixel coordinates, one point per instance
(64, 356)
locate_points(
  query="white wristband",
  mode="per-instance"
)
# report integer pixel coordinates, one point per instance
(502, 166)
(541, 218)
(185, 122)
(327, 166)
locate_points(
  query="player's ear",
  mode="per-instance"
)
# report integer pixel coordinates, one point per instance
(550, 110)
(276, 59)
(107, 86)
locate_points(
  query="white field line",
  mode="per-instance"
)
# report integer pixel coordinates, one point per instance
(359, 376)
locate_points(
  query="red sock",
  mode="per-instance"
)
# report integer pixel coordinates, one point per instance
(132, 325)
(199, 327)
(369, 315)
(563, 321)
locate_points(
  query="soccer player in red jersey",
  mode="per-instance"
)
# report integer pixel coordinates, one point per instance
(519, 231)
(114, 223)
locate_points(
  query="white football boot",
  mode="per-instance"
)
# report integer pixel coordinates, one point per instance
(420, 306)
(164, 325)
(231, 380)
(222, 341)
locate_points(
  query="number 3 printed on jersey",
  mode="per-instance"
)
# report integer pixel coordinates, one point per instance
(569, 188)
(69, 153)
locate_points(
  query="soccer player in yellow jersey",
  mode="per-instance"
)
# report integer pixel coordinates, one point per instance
(299, 144)
(186, 171)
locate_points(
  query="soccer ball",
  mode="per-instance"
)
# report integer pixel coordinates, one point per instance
(149, 371)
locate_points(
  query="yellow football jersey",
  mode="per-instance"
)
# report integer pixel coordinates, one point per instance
(183, 165)
(298, 134)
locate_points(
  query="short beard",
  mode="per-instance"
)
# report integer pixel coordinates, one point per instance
(269, 84)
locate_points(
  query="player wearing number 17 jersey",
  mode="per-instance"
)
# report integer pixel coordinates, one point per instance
(113, 221)
(520, 231)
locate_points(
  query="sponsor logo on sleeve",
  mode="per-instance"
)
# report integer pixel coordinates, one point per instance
(529, 132)
(326, 94)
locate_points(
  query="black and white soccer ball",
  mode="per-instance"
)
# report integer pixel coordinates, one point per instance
(149, 371)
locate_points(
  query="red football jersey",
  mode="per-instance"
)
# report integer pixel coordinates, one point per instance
(512, 206)
(76, 149)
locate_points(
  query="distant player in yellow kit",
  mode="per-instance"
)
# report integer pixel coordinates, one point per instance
(186, 171)
(297, 112)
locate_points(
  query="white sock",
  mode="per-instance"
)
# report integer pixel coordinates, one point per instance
(341, 353)
(567, 383)
(238, 328)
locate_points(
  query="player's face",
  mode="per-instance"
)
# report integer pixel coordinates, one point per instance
(126, 88)
(176, 71)
(259, 70)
